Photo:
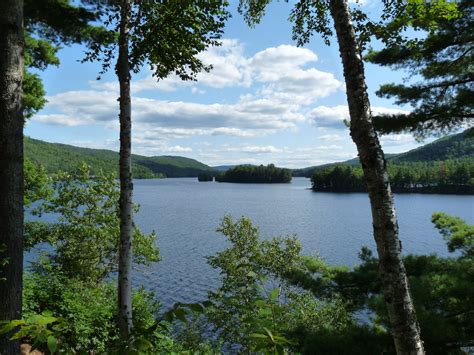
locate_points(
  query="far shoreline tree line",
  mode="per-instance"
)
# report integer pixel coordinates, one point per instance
(444, 177)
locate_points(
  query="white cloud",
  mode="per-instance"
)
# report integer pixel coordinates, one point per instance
(324, 116)
(333, 117)
(229, 65)
(178, 149)
(61, 120)
(330, 137)
(279, 70)
(254, 149)
(329, 147)
(399, 138)
(247, 117)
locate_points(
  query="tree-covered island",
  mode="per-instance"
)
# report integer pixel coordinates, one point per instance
(250, 174)
(204, 177)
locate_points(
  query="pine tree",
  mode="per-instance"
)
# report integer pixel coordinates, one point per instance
(443, 99)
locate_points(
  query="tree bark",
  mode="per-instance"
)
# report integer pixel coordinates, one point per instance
(126, 184)
(404, 325)
(11, 165)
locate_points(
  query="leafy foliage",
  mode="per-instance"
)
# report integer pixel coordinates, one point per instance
(72, 280)
(37, 183)
(255, 308)
(458, 234)
(441, 289)
(85, 236)
(255, 174)
(166, 36)
(87, 315)
(41, 330)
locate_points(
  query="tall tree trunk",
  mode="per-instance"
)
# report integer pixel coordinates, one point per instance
(126, 184)
(11, 165)
(404, 326)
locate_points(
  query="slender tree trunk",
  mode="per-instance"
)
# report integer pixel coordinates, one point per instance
(126, 184)
(404, 326)
(11, 165)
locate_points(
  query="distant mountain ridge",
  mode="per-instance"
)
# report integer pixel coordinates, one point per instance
(57, 156)
(456, 146)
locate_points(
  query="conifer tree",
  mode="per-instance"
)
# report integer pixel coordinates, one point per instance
(442, 100)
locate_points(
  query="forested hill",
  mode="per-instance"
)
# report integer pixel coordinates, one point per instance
(458, 146)
(55, 157)
(454, 147)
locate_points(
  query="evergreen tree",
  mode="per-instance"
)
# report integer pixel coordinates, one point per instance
(442, 100)
(50, 24)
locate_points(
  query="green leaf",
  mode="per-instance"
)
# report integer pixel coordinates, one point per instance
(207, 304)
(52, 344)
(258, 336)
(270, 335)
(9, 326)
(275, 294)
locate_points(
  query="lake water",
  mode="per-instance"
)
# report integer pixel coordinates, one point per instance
(185, 214)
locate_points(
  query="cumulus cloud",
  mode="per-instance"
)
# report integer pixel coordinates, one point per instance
(247, 117)
(280, 70)
(333, 117)
(281, 84)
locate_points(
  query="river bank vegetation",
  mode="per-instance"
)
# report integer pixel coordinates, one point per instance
(272, 298)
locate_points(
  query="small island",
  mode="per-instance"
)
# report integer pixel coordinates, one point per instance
(250, 174)
(203, 177)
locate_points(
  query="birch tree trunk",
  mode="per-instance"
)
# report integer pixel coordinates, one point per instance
(126, 184)
(404, 326)
(11, 165)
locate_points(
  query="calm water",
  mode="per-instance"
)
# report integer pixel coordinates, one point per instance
(185, 214)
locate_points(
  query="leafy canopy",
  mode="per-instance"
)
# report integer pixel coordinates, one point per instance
(165, 35)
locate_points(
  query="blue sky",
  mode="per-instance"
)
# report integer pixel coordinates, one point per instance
(265, 101)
